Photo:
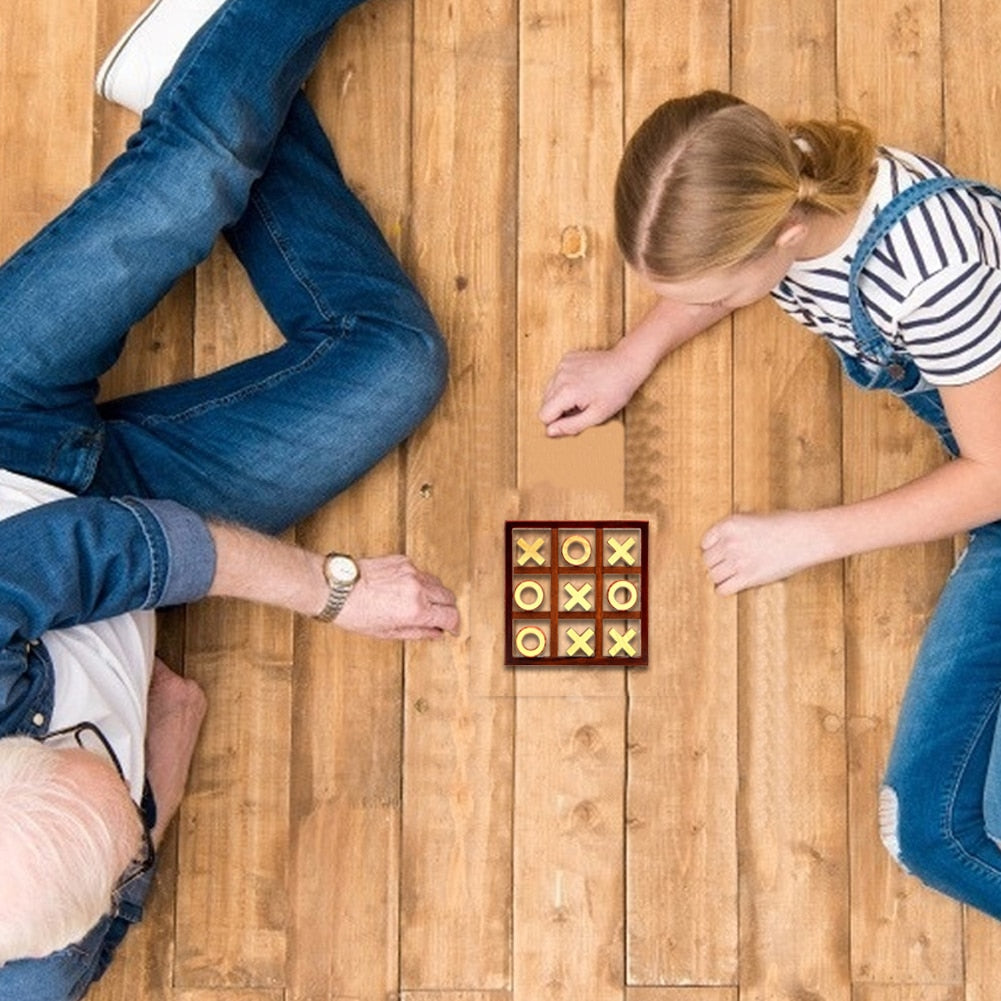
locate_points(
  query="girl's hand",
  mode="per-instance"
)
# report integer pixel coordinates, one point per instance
(746, 550)
(587, 388)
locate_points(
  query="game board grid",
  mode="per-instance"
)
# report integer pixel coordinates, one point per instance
(554, 571)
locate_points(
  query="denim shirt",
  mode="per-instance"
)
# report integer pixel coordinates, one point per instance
(68, 562)
(80, 560)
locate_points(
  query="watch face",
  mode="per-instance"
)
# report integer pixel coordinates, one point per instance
(342, 569)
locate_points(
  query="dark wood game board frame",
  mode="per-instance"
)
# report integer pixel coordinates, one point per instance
(554, 616)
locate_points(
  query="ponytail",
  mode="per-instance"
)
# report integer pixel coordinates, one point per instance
(836, 163)
(707, 181)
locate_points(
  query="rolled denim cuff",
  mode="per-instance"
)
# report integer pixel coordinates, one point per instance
(186, 553)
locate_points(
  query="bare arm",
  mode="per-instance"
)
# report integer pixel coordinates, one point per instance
(747, 550)
(392, 599)
(588, 387)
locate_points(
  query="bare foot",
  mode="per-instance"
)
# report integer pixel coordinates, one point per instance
(175, 710)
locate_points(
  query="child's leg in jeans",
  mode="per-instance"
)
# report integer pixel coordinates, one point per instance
(68, 298)
(932, 806)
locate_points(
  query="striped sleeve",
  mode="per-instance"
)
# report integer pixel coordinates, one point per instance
(950, 324)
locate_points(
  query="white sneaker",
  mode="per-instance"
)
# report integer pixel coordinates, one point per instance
(143, 57)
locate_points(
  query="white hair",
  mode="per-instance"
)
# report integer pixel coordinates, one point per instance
(64, 841)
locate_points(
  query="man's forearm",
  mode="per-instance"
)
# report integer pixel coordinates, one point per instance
(260, 568)
(392, 598)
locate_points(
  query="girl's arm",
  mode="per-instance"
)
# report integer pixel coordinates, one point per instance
(747, 550)
(588, 387)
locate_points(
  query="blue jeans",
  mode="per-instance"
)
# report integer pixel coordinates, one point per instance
(229, 145)
(940, 805)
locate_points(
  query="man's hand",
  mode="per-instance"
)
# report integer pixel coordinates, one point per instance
(587, 388)
(746, 550)
(174, 714)
(391, 600)
(394, 600)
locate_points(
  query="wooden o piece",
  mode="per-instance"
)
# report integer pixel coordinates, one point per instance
(526, 585)
(622, 585)
(523, 634)
(583, 542)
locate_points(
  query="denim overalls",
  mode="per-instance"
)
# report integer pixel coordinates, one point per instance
(940, 807)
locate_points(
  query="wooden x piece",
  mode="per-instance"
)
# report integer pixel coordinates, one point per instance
(580, 641)
(622, 642)
(622, 552)
(577, 596)
(530, 552)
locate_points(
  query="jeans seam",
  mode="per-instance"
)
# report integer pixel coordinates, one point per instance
(242, 393)
(268, 218)
(965, 857)
(155, 584)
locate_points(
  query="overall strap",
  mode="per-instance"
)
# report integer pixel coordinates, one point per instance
(871, 341)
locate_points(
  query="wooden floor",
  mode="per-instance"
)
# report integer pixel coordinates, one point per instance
(370, 820)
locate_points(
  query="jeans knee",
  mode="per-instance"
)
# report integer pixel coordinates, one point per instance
(421, 369)
(923, 845)
(914, 837)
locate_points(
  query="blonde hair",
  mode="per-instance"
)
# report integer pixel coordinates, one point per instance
(62, 849)
(707, 181)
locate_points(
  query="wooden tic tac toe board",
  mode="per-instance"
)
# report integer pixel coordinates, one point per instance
(576, 593)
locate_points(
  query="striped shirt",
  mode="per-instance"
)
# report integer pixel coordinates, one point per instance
(932, 285)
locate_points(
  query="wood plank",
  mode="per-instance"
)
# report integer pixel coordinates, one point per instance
(568, 825)
(227, 995)
(681, 834)
(681, 994)
(344, 879)
(232, 903)
(569, 279)
(232, 908)
(908, 992)
(345, 775)
(455, 996)
(889, 68)
(982, 953)
(792, 827)
(46, 51)
(459, 721)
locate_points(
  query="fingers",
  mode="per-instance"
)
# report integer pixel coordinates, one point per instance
(719, 561)
(573, 423)
(563, 404)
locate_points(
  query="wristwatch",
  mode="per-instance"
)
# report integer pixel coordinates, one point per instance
(341, 574)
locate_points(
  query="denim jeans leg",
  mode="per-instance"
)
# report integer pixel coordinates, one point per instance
(68, 298)
(269, 440)
(933, 802)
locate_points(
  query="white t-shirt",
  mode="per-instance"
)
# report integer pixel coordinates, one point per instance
(102, 669)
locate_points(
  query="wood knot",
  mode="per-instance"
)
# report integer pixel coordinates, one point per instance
(586, 814)
(587, 738)
(573, 243)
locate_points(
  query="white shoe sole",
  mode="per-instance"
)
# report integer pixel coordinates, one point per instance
(108, 66)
